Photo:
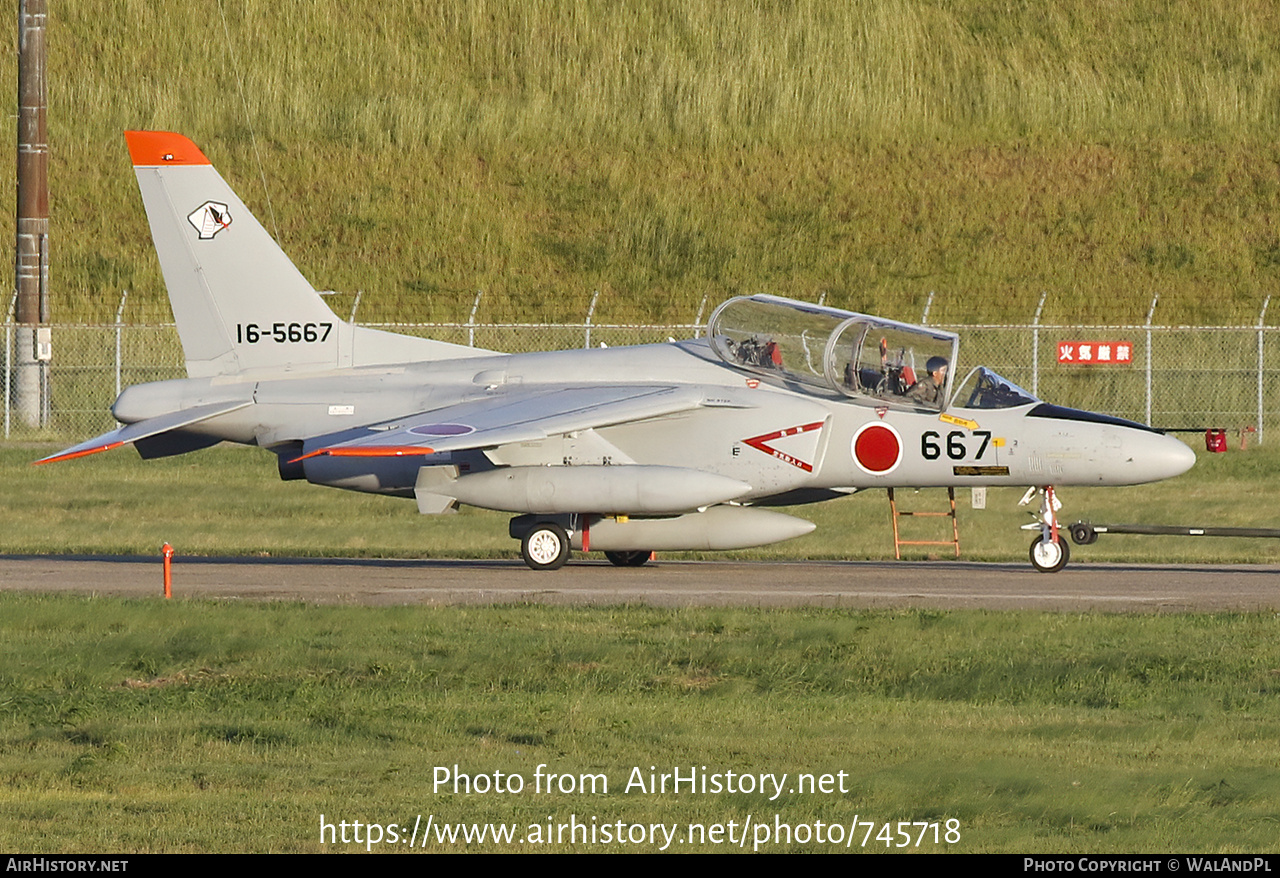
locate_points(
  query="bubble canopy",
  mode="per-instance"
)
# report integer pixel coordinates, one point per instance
(826, 350)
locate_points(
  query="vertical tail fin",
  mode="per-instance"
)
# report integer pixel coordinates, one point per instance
(240, 303)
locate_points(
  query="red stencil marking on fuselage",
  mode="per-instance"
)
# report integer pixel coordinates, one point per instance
(761, 443)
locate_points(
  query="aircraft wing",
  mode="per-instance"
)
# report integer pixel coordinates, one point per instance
(520, 415)
(146, 429)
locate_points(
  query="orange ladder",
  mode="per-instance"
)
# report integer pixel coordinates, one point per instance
(898, 542)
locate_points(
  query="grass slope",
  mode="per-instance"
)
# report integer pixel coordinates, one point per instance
(661, 153)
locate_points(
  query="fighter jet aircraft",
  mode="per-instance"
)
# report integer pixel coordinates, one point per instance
(678, 446)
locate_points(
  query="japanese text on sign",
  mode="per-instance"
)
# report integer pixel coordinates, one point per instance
(1103, 353)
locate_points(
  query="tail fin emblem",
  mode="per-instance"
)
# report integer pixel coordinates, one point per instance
(209, 218)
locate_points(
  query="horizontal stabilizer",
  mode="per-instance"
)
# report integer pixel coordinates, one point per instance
(146, 429)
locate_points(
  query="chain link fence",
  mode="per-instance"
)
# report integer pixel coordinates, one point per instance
(1177, 377)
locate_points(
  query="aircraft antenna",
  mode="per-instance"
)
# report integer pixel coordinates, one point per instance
(253, 135)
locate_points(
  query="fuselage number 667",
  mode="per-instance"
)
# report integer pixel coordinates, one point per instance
(957, 448)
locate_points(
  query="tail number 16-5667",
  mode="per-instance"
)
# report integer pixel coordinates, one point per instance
(282, 333)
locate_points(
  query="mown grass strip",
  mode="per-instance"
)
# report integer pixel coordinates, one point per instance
(186, 725)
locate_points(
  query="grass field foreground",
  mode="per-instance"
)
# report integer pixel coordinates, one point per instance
(196, 726)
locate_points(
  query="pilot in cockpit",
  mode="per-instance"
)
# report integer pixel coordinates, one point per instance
(930, 389)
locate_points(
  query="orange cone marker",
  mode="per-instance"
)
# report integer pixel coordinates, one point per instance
(167, 551)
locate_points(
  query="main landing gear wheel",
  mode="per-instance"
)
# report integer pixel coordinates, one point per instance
(1048, 556)
(628, 559)
(546, 547)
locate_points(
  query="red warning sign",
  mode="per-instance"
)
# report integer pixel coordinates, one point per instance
(1096, 353)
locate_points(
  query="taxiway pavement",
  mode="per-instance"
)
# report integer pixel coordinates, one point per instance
(850, 584)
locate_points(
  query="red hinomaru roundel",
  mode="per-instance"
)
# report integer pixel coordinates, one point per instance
(877, 448)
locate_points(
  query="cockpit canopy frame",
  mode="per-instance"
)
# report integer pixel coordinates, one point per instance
(983, 388)
(871, 359)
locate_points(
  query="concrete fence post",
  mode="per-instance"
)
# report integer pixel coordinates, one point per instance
(1261, 318)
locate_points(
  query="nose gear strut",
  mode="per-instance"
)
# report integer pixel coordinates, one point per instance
(1049, 550)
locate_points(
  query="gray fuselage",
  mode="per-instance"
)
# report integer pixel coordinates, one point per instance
(789, 443)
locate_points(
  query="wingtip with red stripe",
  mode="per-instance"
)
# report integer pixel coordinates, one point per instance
(71, 455)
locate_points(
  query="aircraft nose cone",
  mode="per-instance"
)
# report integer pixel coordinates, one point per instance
(1181, 458)
(1154, 456)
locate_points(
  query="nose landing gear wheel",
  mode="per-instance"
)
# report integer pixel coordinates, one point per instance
(546, 547)
(1048, 556)
(628, 559)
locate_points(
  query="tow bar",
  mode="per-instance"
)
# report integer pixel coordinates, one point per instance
(1084, 533)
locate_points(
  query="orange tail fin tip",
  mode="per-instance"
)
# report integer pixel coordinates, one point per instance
(159, 148)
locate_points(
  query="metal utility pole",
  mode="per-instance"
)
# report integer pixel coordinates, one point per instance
(32, 253)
